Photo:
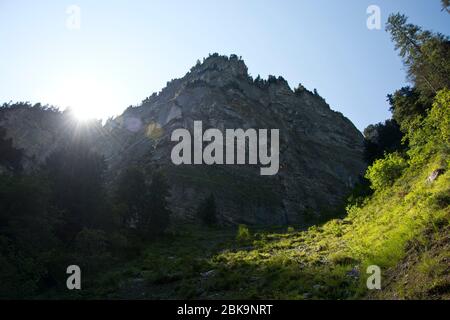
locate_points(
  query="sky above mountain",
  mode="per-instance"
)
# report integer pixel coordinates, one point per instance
(123, 51)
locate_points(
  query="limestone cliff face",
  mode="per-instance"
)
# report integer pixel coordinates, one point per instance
(38, 131)
(321, 151)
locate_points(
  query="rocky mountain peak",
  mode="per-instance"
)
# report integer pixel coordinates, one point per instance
(321, 151)
(232, 65)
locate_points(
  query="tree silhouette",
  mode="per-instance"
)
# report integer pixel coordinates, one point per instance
(75, 173)
(10, 157)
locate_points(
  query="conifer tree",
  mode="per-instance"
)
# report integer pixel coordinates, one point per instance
(426, 55)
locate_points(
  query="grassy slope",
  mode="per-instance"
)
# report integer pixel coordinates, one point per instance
(329, 261)
(403, 229)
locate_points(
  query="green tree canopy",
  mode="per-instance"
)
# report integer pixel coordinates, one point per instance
(381, 138)
(426, 55)
(406, 105)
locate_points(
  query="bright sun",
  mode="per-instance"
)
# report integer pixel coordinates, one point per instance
(86, 97)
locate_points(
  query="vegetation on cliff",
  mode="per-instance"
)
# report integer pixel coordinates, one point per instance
(403, 225)
(397, 218)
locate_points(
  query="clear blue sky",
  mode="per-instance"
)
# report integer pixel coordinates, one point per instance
(125, 50)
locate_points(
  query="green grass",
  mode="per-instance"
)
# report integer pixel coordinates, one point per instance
(402, 228)
(323, 262)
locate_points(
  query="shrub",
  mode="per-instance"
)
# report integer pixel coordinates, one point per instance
(439, 116)
(432, 134)
(385, 171)
(243, 234)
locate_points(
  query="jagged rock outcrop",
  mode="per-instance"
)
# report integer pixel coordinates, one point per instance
(321, 151)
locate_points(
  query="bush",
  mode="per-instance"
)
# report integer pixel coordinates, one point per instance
(439, 116)
(432, 134)
(360, 192)
(384, 172)
(243, 234)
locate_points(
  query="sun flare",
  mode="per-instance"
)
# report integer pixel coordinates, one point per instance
(86, 97)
